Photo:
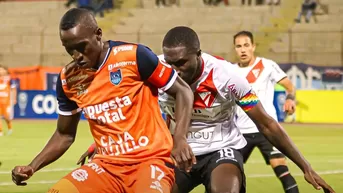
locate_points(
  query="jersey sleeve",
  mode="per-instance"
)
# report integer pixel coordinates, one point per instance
(65, 105)
(154, 70)
(277, 73)
(238, 87)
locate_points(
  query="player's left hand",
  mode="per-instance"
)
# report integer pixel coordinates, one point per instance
(183, 155)
(289, 106)
(317, 182)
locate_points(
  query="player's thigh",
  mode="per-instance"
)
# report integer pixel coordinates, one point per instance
(225, 172)
(186, 181)
(154, 176)
(89, 178)
(268, 150)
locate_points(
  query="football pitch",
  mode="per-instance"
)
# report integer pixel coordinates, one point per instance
(321, 144)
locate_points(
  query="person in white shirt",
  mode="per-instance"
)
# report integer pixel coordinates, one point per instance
(263, 74)
(213, 136)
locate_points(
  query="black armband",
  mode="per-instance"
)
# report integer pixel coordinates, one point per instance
(290, 96)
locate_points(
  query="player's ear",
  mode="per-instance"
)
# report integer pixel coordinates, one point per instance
(199, 53)
(253, 47)
(98, 34)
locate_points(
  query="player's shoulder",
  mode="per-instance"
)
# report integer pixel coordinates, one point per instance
(219, 65)
(266, 61)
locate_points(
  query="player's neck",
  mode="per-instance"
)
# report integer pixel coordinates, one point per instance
(250, 63)
(199, 70)
(102, 56)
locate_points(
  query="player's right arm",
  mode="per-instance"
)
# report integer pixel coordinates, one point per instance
(60, 141)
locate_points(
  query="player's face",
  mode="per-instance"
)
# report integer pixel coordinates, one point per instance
(244, 49)
(83, 44)
(184, 62)
(3, 72)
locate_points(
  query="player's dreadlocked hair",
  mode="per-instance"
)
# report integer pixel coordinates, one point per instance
(244, 33)
(182, 36)
(76, 16)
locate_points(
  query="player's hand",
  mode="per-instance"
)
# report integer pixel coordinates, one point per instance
(289, 106)
(182, 154)
(317, 182)
(21, 174)
(88, 154)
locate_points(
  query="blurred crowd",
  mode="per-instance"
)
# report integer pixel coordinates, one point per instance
(97, 6)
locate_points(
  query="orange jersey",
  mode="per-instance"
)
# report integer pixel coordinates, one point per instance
(120, 101)
(5, 90)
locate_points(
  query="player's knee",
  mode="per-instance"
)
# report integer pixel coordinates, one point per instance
(226, 178)
(63, 186)
(275, 162)
(225, 189)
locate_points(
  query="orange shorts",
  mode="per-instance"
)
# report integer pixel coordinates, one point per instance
(5, 111)
(152, 176)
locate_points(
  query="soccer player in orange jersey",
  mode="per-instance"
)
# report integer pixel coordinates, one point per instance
(116, 85)
(7, 89)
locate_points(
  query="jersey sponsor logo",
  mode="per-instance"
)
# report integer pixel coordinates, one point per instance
(81, 89)
(121, 64)
(118, 49)
(64, 82)
(44, 104)
(110, 111)
(96, 168)
(115, 77)
(121, 144)
(232, 88)
(207, 135)
(80, 175)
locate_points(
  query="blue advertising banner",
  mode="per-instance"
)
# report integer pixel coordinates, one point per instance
(33, 104)
(51, 79)
(312, 77)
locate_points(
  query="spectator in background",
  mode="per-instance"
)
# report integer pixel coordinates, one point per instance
(307, 9)
(273, 2)
(216, 2)
(248, 1)
(160, 3)
(69, 2)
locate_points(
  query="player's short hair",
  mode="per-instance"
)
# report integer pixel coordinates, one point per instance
(182, 36)
(75, 16)
(244, 33)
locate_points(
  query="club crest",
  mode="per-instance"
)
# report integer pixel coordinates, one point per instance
(115, 77)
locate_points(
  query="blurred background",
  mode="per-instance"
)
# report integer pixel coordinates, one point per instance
(305, 37)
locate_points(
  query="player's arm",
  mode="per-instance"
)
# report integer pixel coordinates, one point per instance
(279, 76)
(164, 77)
(13, 92)
(272, 130)
(60, 141)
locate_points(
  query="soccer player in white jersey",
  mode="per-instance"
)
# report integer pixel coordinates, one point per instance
(263, 74)
(213, 136)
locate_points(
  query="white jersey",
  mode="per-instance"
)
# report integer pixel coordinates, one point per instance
(216, 93)
(262, 76)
